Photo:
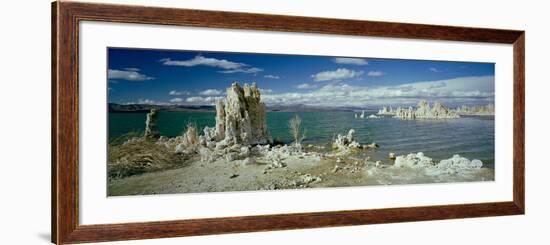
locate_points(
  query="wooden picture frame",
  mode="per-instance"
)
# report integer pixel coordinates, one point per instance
(65, 121)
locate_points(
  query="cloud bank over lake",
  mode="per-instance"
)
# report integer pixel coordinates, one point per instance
(463, 90)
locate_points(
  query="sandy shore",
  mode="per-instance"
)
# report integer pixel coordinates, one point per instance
(305, 170)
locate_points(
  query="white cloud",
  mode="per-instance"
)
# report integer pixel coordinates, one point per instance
(176, 100)
(129, 74)
(350, 61)
(339, 74)
(271, 76)
(433, 69)
(195, 99)
(145, 102)
(450, 92)
(375, 74)
(210, 92)
(438, 84)
(177, 93)
(243, 70)
(203, 100)
(148, 102)
(306, 86)
(199, 60)
(266, 91)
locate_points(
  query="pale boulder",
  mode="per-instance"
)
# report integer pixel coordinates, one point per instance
(459, 162)
(413, 161)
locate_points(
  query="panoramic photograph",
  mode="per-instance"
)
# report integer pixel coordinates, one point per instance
(183, 121)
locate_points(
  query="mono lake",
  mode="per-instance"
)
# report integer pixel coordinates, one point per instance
(469, 136)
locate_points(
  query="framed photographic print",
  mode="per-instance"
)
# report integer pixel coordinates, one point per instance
(175, 122)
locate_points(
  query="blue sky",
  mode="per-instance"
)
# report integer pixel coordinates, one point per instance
(147, 76)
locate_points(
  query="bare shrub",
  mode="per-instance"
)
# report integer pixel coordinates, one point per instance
(296, 129)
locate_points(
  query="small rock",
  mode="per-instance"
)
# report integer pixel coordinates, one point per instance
(180, 148)
(306, 179)
(233, 176)
(335, 169)
(249, 161)
(371, 146)
(452, 171)
(210, 144)
(231, 156)
(476, 163)
(392, 156)
(339, 160)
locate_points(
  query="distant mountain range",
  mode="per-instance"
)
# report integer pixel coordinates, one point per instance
(114, 107)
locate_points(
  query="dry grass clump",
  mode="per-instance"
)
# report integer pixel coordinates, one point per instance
(140, 156)
(125, 137)
(191, 136)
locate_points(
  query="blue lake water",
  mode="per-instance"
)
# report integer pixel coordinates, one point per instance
(469, 136)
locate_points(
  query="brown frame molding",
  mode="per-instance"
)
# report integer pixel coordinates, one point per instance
(65, 136)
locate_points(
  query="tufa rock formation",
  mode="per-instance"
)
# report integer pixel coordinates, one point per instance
(151, 124)
(486, 110)
(422, 111)
(460, 162)
(189, 141)
(404, 113)
(418, 160)
(386, 111)
(438, 111)
(345, 143)
(413, 160)
(240, 118)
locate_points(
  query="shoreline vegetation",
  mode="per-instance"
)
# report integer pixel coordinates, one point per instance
(239, 154)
